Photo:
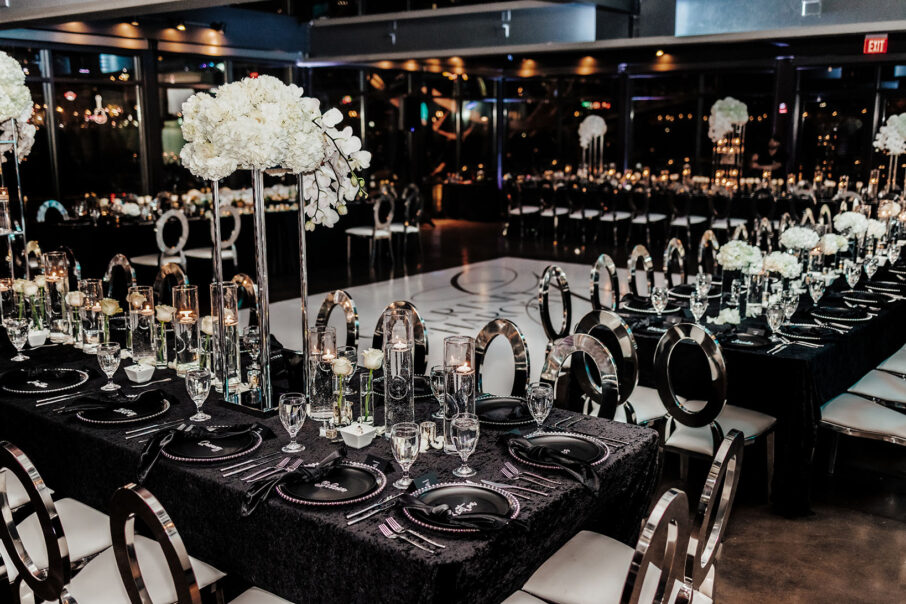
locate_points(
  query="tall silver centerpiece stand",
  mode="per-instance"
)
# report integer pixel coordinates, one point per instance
(217, 261)
(16, 230)
(303, 287)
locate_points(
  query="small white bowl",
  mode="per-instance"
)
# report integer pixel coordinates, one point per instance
(37, 337)
(358, 435)
(139, 373)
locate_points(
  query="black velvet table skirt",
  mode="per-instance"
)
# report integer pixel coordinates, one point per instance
(310, 555)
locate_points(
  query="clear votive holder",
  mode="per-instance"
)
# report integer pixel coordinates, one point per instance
(225, 301)
(322, 350)
(56, 286)
(142, 324)
(399, 372)
(459, 383)
(90, 315)
(186, 337)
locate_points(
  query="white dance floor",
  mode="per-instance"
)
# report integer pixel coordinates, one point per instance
(457, 301)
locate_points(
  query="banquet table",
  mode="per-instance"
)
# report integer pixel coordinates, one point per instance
(309, 554)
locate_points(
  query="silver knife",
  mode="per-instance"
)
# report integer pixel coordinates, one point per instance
(270, 474)
(507, 487)
(387, 499)
(384, 506)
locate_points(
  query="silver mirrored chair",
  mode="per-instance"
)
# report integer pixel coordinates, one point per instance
(895, 363)
(594, 569)
(674, 265)
(598, 379)
(413, 207)
(419, 332)
(853, 415)
(764, 235)
(341, 299)
(168, 276)
(605, 264)
(74, 264)
(740, 233)
(140, 570)
(41, 553)
(697, 427)
(708, 248)
(119, 263)
(53, 207)
(558, 276)
(167, 254)
(641, 268)
(248, 296)
(378, 231)
(883, 387)
(227, 246)
(516, 339)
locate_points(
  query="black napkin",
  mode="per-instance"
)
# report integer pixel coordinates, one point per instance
(578, 469)
(260, 491)
(194, 433)
(640, 302)
(516, 411)
(443, 513)
(89, 404)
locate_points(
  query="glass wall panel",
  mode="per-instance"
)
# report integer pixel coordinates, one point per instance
(93, 66)
(665, 116)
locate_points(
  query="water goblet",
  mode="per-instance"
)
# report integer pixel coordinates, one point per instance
(17, 330)
(703, 283)
(437, 388)
(405, 441)
(871, 266)
(198, 385)
(893, 252)
(109, 360)
(659, 299)
(465, 430)
(816, 285)
(292, 416)
(790, 300)
(775, 316)
(698, 304)
(853, 272)
(540, 399)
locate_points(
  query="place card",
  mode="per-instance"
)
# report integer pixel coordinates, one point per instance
(427, 479)
(378, 463)
(754, 331)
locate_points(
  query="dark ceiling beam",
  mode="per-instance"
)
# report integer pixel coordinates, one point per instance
(623, 6)
(24, 12)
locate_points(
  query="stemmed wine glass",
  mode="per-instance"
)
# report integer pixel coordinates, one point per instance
(405, 441)
(292, 416)
(109, 360)
(659, 299)
(465, 430)
(853, 272)
(437, 388)
(775, 315)
(17, 330)
(871, 266)
(703, 283)
(540, 399)
(790, 301)
(198, 385)
(893, 252)
(698, 304)
(816, 285)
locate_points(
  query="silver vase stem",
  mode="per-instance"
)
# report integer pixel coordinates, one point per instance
(15, 130)
(217, 260)
(303, 286)
(264, 329)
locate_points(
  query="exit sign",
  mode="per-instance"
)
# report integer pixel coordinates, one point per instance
(875, 44)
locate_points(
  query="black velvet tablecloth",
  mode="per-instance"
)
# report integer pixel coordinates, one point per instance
(791, 385)
(310, 555)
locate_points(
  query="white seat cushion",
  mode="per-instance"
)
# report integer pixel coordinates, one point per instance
(646, 403)
(615, 216)
(687, 220)
(87, 533)
(154, 260)
(548, 212)
(852, 411)
(15, 492)
(882, 385)
(206, 253)
(520, 597)
(258, 596)
(735, 222)
(364, 231)
(584, 214)
(699, 440)
(525, 210)
(402, 228)
(100, 582)
(652, 217)
(896, 362)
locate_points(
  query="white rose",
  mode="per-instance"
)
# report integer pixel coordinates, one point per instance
(30, 289)
(135, 299)
(164, 313)
(341, 367)
(207, 325)
(74, 299)
(41, 281)
(110, 307)
(19, 285)
(372, 358)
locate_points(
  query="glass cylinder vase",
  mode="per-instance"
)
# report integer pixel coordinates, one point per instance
(56, 286)
(142, 325)
(90, 315)
(459, 383)
(225, 305)
(186, 339)
(399, 368)
(366, 398)
(322, 350)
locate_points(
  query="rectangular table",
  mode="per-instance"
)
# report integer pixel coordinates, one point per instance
(310, 555)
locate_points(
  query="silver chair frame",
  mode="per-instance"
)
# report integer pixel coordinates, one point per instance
(342, 299)
(740, 233)
(608, 382)
(709, 242)
(119, 261)
(554, 272)
(170, 269)
(513, 335)
(640, 253)
(419, 332)
(178, 249)
(247, 284)
(606, 264)
(674, 252)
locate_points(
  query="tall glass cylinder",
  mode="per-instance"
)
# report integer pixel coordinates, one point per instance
(322, 350)
(8, 308)
(225, 306)
(142, 326)
(56, 281)
(399, 368)
(459, 383)
(6, 223)
(90, 315)
(185, 328)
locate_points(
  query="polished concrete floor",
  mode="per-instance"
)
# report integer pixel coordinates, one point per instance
(851, 549)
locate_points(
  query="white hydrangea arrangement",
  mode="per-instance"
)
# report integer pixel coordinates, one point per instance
(799, 238)
(891, 137)
(260, 124)
(786, 264)
(890, 208)
(727, 316)
(876, 229)
(15, 103)
(852, 223)
(738, 255)
(591, 127)
(832, 244)
(726, 113)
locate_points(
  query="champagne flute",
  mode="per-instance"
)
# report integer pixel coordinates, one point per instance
(465, 430)
(292, 416)
(659, 299)
(816, 285)
(775, 315)
(198, 385)
(437, 388)
(17, 330)
(540, 399)
(405, 441)
(698, 304)
(109, 360)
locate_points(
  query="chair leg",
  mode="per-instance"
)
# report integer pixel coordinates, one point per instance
(684, 467)
(371, 246)
(832, 454)
(769, 460)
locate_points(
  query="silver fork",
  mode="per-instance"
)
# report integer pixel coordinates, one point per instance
(257, 473)
(516, 472)
(399, 529)
(508, 474)
(388, 532)
(270, 474)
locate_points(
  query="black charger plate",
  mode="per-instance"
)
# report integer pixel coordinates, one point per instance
(580, 447)
(214, 449)
(744, 340)
(462, 498)
(421, 384)
(886, 287)
(865, 298)
(842, 314)
(503, 411)
(348, 483)
(805, 331)
(42, 381)
(127, 412)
